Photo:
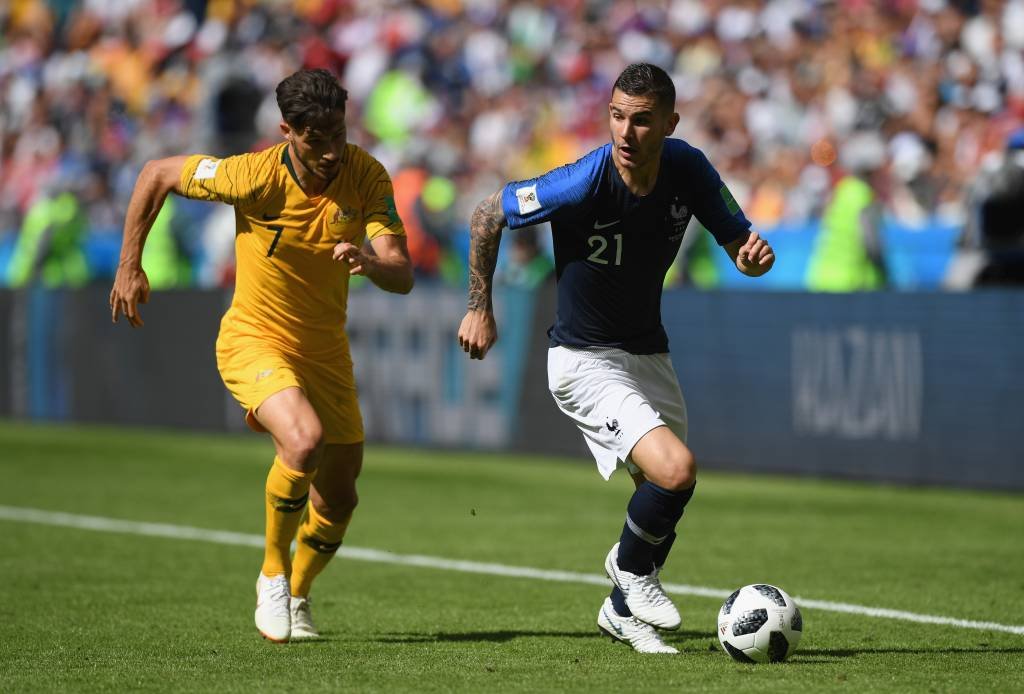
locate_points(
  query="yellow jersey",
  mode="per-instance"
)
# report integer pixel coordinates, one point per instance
(289, 291)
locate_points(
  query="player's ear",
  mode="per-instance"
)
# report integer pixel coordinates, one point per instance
(286, 130)
(673, 121)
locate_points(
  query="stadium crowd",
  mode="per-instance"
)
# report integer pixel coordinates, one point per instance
(788, 98)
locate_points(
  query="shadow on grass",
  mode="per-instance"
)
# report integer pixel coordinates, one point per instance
(501, 636)
(683, 635)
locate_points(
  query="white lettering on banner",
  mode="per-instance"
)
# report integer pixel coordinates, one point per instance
(415, 383)
(857, 382)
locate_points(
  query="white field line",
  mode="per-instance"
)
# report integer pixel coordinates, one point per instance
(183, 532)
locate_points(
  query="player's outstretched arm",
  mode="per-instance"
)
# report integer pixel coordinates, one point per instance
(478, 331)
(131, 286)
(390, 266)
(752, 254)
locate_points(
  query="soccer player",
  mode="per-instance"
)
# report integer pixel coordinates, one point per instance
(617, 218)
(303, 209)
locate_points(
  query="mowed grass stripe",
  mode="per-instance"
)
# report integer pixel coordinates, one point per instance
(182, 532)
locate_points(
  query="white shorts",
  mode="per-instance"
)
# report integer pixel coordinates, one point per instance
(615, 398)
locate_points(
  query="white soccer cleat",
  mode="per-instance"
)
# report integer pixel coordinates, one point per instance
(302, 620)
(645, 597)
(273, 616)
(641, 636)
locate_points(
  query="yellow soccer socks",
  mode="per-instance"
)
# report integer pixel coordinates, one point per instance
(318, 540)
(287, 494)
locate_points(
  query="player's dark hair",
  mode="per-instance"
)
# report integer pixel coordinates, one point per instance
(640, 79)
(307, 96)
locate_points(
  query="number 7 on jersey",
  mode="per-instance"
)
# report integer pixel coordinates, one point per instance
(277, 237)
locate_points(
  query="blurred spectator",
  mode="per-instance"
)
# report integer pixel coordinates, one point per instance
(992, 246)
(424, 249)
(437, 213)
(484, 91)
(527, 266)
(49, 247)
(695, 264)
(215, 264)
(847, 255)
(164, 265)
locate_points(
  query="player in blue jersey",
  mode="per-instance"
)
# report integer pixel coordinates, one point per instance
(617, 218)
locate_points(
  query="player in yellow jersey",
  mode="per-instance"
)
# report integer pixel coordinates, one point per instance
(303, 210)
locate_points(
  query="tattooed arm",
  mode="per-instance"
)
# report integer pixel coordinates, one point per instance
(478, 331)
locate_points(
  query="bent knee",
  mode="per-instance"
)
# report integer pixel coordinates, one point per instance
(680, 470)
(304, 442)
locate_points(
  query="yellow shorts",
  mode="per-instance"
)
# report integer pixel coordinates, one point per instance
(253, 371)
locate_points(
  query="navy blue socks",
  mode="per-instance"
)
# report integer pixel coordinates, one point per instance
(651, 517)
(648, 532)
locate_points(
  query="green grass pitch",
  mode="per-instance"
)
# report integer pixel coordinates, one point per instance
(83, 610)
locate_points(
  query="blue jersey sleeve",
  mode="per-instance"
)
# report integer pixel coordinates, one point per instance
(539, 199)
(712, 203)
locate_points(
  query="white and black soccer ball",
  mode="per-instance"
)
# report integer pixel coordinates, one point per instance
(760, 624)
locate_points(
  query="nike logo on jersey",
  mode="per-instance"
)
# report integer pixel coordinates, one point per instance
(598, 225)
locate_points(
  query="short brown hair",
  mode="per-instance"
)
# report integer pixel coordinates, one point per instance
(640, 79)
(307, 96)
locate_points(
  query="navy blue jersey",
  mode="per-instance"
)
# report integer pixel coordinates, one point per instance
(612, 248)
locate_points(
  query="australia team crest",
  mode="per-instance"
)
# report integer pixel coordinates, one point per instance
(342, 216)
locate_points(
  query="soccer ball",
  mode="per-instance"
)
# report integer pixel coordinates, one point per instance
(760, 624)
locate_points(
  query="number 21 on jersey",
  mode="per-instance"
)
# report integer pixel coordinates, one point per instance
(600, 245)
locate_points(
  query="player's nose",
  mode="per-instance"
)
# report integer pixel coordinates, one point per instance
(626, 130)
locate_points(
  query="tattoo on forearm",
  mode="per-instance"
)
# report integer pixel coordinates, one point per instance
(485, 234)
